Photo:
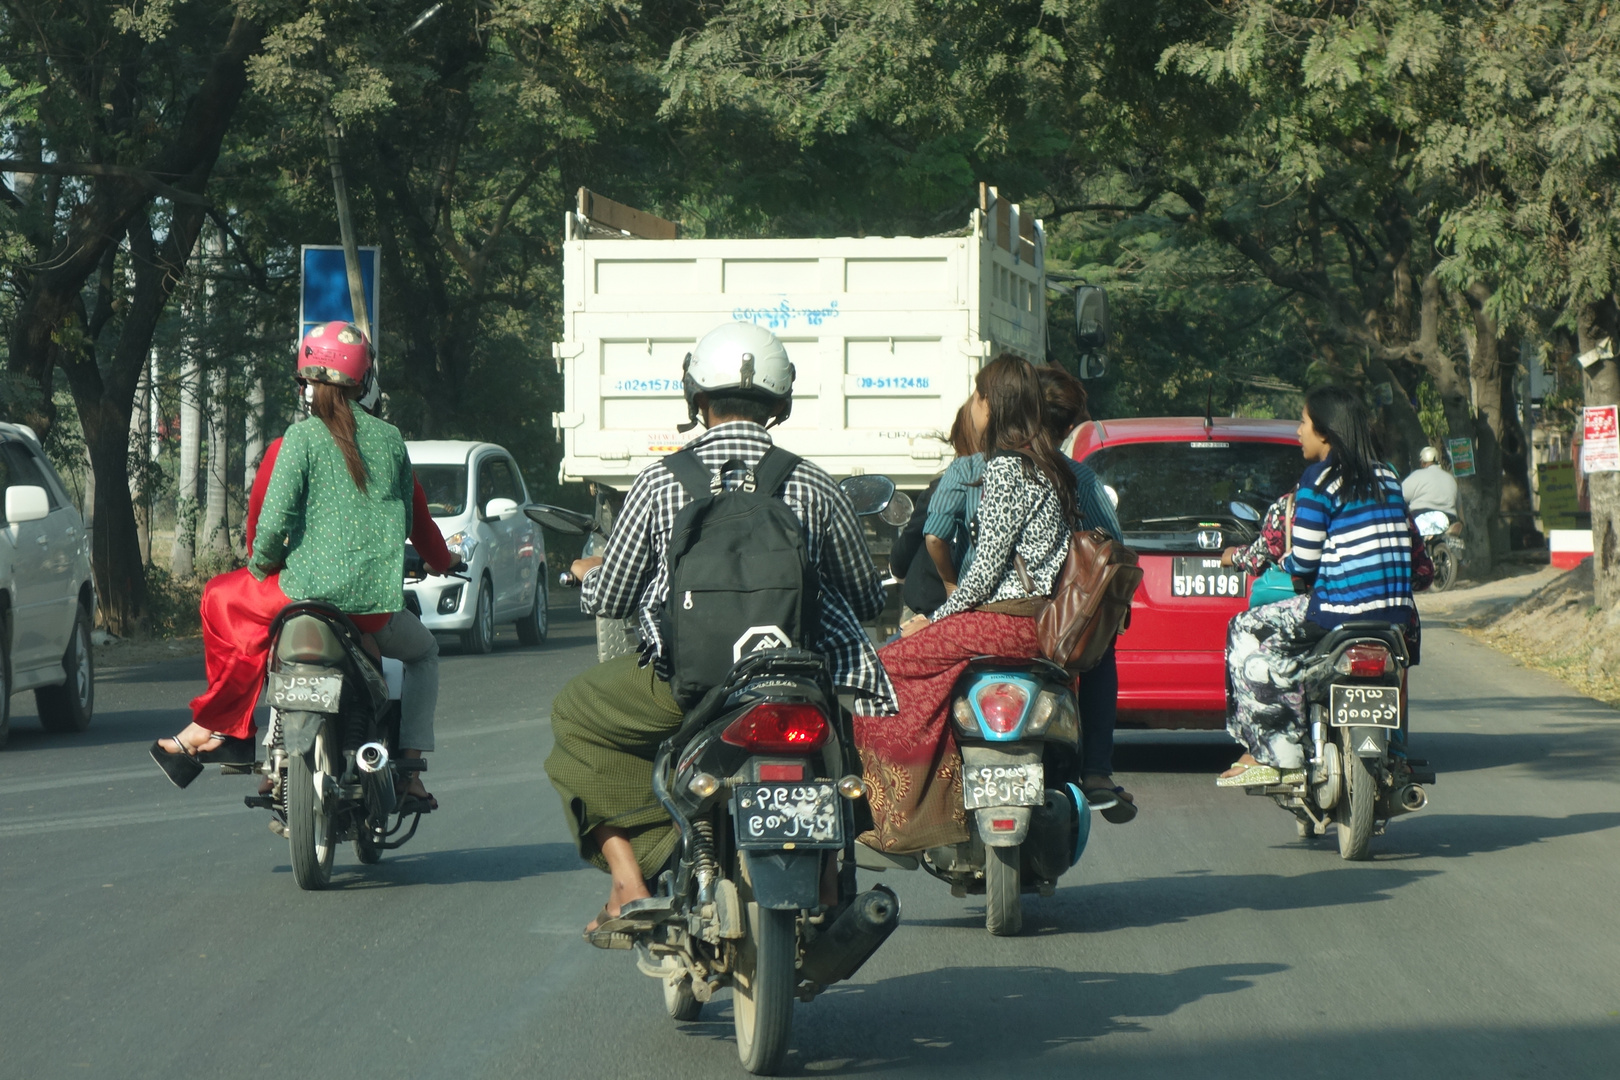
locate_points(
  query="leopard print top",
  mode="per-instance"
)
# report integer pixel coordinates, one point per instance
(1019, 513)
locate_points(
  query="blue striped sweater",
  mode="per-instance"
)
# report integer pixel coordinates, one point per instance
(1359, 552)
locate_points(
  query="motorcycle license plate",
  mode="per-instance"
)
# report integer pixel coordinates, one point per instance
(305, 693)
(1365, 706)
(1003, 785)
(788, 816)
(1193, 575)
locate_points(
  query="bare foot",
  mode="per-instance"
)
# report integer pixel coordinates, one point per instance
(619, 895)
(1245, 762)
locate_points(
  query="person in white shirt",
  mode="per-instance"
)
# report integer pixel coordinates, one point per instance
(1430, 487)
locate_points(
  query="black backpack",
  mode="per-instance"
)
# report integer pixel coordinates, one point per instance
(740, 576)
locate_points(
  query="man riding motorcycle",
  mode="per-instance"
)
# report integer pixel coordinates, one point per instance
(609, 722)
(1430, 487)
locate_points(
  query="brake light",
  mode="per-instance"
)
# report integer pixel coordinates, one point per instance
(1002, 705)
(776, 727)
(1003, 824)
(781, 772)
(1365, 661)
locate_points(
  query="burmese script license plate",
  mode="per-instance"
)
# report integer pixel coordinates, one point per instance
(305, 693)
(1365, 706)
(788, 815)
(1196, 575)
(1003, 785)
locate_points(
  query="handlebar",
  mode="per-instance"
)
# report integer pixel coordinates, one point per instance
(567, 580)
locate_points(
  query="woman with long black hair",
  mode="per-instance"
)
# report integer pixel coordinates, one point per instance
(1352, 542)
(1027, 510)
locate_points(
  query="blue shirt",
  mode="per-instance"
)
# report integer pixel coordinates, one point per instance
(956, 503)
(1358, 551)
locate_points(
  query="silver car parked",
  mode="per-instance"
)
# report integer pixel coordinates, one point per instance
(47, 601)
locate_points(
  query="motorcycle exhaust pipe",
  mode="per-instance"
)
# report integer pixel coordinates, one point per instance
(1413, 798)
(371, 757)
(852, 938)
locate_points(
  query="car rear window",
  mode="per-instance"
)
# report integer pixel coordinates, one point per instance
(1170, 491)
(446, 488)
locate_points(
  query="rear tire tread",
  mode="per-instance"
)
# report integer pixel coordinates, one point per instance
(1003, 891)
(1354, 814)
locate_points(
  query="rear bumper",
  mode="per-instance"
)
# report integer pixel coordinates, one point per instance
(1163, 689)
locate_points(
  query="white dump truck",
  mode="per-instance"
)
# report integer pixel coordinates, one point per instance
(886, 334)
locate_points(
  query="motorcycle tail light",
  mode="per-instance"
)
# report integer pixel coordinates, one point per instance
(777, 727)
(1365, 661)
(1002, 705)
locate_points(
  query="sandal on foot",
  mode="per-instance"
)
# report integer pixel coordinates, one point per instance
(1123, 810)
(424, 803)
(180, 766)
(1251, 776)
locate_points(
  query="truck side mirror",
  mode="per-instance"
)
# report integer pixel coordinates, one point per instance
(1091, 318)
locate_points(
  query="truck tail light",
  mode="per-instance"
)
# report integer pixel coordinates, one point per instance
(776, 727)
(1002, 705)
(1367, 660)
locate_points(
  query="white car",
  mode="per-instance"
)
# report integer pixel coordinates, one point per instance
(47, 600)
(476, 496)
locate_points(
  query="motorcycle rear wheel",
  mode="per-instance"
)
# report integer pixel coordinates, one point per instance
(1003, 899)
(1445, 566)
(763, 992)
(311, 826)
(1354, 814)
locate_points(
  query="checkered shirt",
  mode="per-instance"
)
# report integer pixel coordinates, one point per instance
(634, 576)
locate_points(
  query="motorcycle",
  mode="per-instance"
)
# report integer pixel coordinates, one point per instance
(1443, 539)
(1017, 724)
(1358, 776)
(333, 760)
(763, 782)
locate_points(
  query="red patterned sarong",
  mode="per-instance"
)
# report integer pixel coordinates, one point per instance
(237, 610)
(912, 766)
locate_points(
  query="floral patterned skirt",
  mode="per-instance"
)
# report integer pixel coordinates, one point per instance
(912, 766)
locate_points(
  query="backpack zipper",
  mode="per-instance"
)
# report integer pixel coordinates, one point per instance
(688, 604)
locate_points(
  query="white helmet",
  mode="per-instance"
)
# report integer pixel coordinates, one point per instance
(738, 356)
(1428, 455)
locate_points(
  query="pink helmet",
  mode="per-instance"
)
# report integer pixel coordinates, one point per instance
(337, 353)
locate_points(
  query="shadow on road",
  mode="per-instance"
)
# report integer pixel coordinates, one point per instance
(1557, 751)
(1454, 836)
(997, 1018)
(458, 866)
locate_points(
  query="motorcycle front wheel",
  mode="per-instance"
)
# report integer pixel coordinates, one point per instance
(764, 987)
(311, 825)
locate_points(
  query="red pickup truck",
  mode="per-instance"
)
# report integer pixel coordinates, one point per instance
(1185, 488)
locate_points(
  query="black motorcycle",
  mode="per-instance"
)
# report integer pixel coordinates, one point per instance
(763, 782)
(1358, 776)
(333, 758)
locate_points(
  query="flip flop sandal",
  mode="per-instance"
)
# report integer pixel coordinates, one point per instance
(181, 766)
(1101, 798)
(1251, 776)
(1122, 811)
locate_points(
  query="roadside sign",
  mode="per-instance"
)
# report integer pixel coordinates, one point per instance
(323, 294)
(1556, 489)
(1462, 456)
(1600, 444)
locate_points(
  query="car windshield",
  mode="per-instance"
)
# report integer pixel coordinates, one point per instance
(1168, 492)
(446, 488)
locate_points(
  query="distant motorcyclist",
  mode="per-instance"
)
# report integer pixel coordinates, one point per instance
(1430, 487)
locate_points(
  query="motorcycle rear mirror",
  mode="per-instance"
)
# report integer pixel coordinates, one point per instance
(557, 519)
(898, 512)
(869, 494)
(1243, 511)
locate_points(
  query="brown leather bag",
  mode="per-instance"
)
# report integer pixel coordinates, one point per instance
(1090, 603)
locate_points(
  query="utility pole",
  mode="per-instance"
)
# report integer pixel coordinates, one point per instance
(351, 247)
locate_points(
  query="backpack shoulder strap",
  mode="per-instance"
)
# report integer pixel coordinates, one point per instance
(689, 470)
(773, 470)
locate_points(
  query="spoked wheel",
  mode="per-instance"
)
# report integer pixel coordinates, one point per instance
(1445, 566)
(311, 824)
(1354, 814)
(763, 989)
(1003, 900)
(680, 1002)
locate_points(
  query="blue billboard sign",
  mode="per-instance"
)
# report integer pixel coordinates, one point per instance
(324, 290)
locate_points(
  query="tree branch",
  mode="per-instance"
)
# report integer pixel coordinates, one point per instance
(145, 177)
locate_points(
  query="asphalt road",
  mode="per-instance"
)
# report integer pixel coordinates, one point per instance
(149, 932)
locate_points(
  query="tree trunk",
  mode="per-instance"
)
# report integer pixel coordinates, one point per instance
(216, 534)
(253, 431)
(1400, 419)
(185, 505)
(1602, 386)
(140, 441)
